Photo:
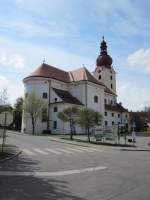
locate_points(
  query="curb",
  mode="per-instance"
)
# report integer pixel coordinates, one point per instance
(135, 150)
(70, 143)
(10, 158)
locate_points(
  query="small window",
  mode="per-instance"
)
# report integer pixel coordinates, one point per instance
(54, 124)
(112, 122)
(99, 77)
(105, 113)
(111, 102)
(44, 114)
(106, 123)
(118, 115)
(55, 109)
(96, 99)
(105, 100)
(112, 114)
(111, 86)
(44, 95)
(55, 99)
(110, 77)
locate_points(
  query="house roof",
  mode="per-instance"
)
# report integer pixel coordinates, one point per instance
(83, 74)
(107, 90)
(49, 71)
(117, 108)
(67, 97)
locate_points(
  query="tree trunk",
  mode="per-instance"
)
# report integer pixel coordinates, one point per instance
(33, 126)
(88, 132)
(71, 131)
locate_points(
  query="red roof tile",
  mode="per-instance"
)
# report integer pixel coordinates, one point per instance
(83, 74)
(118, 108)
(107, 90)
(49, 71)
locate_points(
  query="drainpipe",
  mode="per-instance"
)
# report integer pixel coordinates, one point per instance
(48, 116)
(86, 94)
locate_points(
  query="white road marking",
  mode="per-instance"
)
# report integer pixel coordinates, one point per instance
(96, 149)
(52, 151)
(76, 150)
(40, 151)
(86, 149)
(46, 174)
(63, 150)
(28, 152)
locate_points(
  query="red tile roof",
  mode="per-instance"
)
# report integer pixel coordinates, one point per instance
(107, 90)
(118, 108)
(49, 71)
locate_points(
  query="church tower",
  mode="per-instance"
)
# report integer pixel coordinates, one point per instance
(104, 71)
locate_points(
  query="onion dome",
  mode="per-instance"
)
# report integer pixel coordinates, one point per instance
(104, 59)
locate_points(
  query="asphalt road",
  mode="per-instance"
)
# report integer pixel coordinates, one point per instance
(52, 170)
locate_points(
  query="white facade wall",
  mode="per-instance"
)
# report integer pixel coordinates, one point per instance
(92, 91)
(106, 74)
(78, 90)
(110, 99)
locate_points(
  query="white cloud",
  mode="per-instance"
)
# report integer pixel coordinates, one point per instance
(134, 95)
(14, 90)
(15, 61)
(140, 59)
(3, 82)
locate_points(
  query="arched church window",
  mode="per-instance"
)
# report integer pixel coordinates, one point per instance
(99, 77)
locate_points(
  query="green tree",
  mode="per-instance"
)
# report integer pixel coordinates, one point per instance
(69, 115)
(32, 106)
(89, 118)
(18, 107)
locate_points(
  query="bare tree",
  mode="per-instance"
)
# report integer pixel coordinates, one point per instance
(33, 106)
(89, 118)
(69, 115)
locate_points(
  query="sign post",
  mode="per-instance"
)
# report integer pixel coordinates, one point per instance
(133, 133)
(6, 118)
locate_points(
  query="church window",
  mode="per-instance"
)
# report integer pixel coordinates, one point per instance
(55, 109)
(112, 114)
(54, 124)
(118, 115)
(110, 77)
(96, 99)
(55, 99)
(105, 113)
(112, 122)
(99, 77)
(111, 86)
(44, 95)
(44, 114)
(106, 123)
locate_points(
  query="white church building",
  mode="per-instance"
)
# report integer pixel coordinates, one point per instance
(60, 89)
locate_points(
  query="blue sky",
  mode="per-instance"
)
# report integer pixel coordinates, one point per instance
(67, 34)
